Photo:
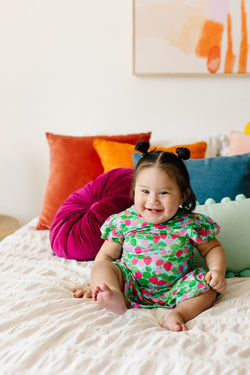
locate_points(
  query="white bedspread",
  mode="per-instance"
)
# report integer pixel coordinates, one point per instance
(45, 330)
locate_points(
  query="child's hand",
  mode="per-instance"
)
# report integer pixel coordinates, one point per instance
(216, 280)
(80, 292)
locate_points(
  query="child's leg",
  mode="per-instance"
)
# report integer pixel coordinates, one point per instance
(107, 287)
(187, 310)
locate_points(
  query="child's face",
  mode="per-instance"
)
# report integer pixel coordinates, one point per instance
(157, 195)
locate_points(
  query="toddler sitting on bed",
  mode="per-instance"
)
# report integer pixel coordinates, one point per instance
(145, 261)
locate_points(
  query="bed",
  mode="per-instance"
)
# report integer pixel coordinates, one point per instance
(45, 330)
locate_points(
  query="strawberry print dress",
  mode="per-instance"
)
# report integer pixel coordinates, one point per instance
(156, 260)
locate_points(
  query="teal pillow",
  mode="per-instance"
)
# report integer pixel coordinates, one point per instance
(234, 219)
(224, 176)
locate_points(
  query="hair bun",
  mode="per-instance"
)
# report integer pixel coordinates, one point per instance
(183, 153)
(142, 146)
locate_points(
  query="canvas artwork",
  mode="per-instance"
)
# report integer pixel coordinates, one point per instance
(194, 37)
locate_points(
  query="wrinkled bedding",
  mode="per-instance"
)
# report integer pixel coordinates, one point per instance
(45, 330)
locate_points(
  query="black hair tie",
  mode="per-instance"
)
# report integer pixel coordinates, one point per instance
(183, 153)
(143, 147)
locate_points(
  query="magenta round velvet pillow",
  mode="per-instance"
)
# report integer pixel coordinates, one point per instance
(75, 230)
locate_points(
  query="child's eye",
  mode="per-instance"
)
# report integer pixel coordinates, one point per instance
(145, 191)
(163, 193)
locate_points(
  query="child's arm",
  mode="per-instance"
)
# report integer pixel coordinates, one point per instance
(215, 257)
(109, 251)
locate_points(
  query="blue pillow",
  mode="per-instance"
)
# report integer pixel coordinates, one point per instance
(224, 176)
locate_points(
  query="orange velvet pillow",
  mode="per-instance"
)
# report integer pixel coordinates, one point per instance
(73, 163)
(120, 155)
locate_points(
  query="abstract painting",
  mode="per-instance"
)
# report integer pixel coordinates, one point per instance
(194, 37)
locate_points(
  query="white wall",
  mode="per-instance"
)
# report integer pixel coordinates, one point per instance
(66, 67)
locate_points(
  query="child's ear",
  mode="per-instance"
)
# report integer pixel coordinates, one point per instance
(185, 196)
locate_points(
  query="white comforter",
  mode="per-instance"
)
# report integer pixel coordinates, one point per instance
(45, 330)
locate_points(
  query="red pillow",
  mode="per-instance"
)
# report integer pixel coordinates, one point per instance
(73, 163)
(75, 230)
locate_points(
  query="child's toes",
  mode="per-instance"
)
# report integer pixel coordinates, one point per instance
(78, 293)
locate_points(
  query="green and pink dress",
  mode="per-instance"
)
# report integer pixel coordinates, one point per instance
(156, 260)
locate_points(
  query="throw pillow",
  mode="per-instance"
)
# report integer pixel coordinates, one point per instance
(73, 163)
(75, 230)
(239, 143)
(233, 218)
(247, 128)
(120, 155)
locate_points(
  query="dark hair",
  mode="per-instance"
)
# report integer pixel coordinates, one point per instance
(172, 164)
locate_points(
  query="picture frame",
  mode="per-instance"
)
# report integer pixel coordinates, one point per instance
(191, 37)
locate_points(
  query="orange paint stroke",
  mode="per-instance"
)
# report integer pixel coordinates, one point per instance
(230, 56)
(243, 45)
(213, 59)
(211, 36)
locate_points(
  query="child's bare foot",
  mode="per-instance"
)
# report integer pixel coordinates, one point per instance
(109, 299)
(82, 292)
(174, 322)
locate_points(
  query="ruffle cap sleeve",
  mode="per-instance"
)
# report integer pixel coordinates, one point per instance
(110, 230)
(204, 229)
